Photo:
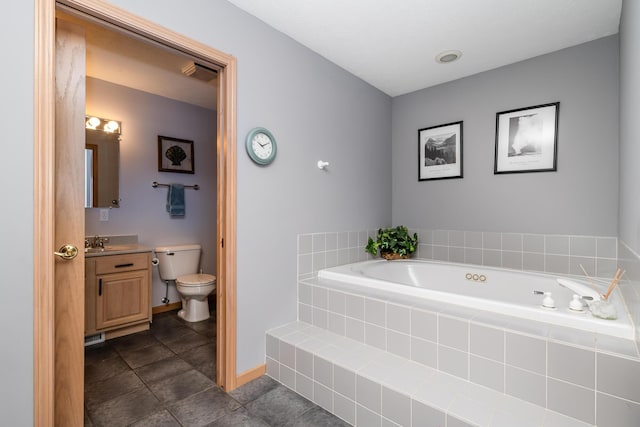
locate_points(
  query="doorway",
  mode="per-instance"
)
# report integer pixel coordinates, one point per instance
(49, 408)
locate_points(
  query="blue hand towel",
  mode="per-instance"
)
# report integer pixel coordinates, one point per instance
(175, 200)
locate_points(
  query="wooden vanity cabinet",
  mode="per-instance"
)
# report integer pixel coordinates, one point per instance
(118, 294)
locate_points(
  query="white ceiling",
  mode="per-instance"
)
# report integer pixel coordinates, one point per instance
(130, 62)
(391, 44)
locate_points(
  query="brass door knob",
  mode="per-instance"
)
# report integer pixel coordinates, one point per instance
(67, 252)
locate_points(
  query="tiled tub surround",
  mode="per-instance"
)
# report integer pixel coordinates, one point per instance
(450, 363)
(546, 253)
(474, 366)
(630, 287)
(552, 253)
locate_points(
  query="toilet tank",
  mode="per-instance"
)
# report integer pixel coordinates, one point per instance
(177, 260)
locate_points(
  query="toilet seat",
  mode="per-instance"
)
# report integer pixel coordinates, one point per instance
(197, 279)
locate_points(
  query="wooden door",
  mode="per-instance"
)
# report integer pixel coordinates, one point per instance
(46, 318)
(69, 224)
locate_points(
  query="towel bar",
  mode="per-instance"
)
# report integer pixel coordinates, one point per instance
(155, 184)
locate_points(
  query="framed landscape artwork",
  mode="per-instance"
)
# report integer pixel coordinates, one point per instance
(440, 152)
(527, 139)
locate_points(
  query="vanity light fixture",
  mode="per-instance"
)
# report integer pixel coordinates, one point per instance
(448, 56)
(105, 125)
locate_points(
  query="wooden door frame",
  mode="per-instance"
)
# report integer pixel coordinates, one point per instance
(44, 194)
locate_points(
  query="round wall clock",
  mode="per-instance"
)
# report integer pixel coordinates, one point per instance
(261, 146)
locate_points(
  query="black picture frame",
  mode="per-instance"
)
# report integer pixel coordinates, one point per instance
(440, 152)
(175, 155)
(527, 139)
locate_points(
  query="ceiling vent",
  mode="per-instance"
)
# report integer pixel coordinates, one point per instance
(448, 56)
(199, 72)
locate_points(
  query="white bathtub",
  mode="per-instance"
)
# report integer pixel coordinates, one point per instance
(502, 291)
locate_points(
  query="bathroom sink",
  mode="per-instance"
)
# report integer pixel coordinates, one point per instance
(115, 249)
(93, 250)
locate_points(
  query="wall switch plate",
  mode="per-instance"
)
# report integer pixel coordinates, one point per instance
(104, 214)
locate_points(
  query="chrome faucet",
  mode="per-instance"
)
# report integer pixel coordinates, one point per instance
(583, 291)
(98, 242)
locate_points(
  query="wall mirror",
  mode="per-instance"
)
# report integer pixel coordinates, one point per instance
(102, 163)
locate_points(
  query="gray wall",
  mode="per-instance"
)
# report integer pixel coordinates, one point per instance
(629, 113)
(316, 111)
(580, 198)
(142, 210)
(16, 217)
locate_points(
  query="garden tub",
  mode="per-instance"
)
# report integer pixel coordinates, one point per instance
(502, 291)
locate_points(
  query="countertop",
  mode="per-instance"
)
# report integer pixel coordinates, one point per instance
(116, 250)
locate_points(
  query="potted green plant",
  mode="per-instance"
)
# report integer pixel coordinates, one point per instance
(393, 243)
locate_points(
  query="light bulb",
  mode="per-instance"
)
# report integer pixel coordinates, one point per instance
(93, 123)
(111, 126)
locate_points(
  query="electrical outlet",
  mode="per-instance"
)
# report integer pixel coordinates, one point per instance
(104, 214)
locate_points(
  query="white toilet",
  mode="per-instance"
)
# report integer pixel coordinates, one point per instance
(180, 263)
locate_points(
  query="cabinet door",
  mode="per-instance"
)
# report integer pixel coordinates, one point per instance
(122, 298)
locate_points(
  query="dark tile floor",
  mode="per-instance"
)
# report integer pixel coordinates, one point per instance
(166, 377)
